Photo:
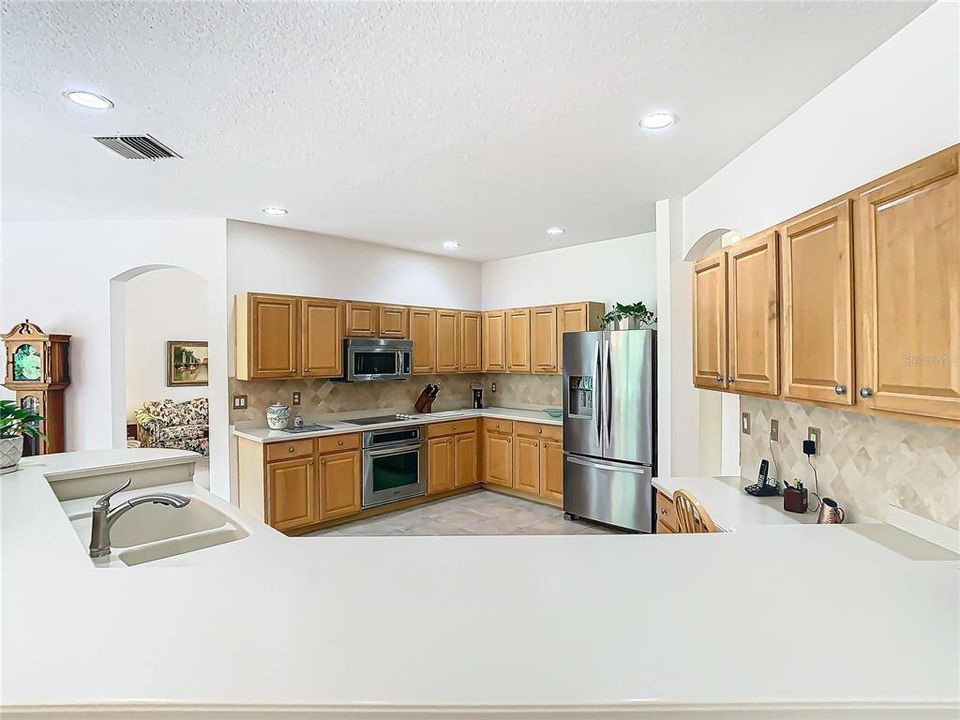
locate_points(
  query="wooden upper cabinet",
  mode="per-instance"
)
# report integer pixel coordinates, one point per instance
(321, 338)
(818, 307)
(362, 319)
(494, 341)
(448, 341)
(393, 321)
(543, 340)
(291, 494)
(710, 322)
(268, 336)
(471, 346)
(339, 484)
(577, 317)
(551, 469)
(754, 315)
(518, 340)
(423, 333)
(908, 249)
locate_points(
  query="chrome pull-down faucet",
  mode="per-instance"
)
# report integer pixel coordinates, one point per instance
(104, 517)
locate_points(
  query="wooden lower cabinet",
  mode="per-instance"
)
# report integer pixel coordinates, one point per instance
(666, 514)
(291, 493)
(466, 459)
(440, 465)
(498, 458)
(526, 465)
(551, 470)
(452, 455)
(339, 484)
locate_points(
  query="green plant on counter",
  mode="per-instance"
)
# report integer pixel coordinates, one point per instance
(16, 421)
(635, 310)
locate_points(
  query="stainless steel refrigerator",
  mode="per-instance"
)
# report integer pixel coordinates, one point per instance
(609, 426)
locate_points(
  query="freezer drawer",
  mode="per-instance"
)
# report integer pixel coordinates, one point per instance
(610, 492)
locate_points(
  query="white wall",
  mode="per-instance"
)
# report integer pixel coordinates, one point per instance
(70, 277)
(622, 269)
(897, 105)
(168, 304)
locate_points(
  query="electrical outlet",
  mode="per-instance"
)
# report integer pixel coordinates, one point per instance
(239, 402)
(493, 387)
(813, 433)
(296, 398)
(774, 430)
(745, 423)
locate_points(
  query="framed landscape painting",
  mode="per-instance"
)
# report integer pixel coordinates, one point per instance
(186, 363)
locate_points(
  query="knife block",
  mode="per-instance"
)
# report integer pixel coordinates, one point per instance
(795, 500)
(424, 403)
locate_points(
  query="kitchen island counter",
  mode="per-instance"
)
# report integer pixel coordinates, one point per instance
(636, 626)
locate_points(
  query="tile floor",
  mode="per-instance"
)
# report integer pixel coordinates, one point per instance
(479, 513)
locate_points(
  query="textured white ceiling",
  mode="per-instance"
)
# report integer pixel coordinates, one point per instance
(408, 124)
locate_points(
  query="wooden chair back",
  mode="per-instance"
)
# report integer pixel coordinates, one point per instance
(691, 515)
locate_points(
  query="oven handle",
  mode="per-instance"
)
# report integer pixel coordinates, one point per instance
(392, 450)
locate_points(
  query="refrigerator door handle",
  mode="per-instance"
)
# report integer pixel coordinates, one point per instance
(597, 410)
(608, 389)
(635, 469)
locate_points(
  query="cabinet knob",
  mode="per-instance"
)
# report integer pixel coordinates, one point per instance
(730, 379)
(323, 461)
(454, 427)
(291, 449)
(866, 392)
(509, 439)
(840, 389)
(540, 430)
(339, 442)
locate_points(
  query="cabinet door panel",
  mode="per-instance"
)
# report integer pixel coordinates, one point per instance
(494, 341)
(498, 459)
(551, 469)
(518, 340)
(818, 307)
(423, 333)
(907, 240)
(322, 333)
(526, 465)
(448, 341)
(393, 321)
(754, 316)
(291, 494)
(361, 319)
(275, 335)
(471, 348)
(466, 459)
(440, 465)
(339, 484)
(543, 340)
(710, 323)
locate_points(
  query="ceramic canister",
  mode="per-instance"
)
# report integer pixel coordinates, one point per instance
(277, 416)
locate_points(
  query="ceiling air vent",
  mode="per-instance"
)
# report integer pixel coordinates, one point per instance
(137, 147)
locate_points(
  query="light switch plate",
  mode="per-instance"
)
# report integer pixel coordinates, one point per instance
(296, 398)
(774, 430)
(745, 423)
(239, 402)
(813, 433)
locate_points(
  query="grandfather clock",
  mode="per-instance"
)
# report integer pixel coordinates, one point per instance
(38, 371)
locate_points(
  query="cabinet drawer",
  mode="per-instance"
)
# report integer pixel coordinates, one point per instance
(666, 512)
(288, 450)
(498, 426)
(451, 428)
(535, 430)
(338, 442)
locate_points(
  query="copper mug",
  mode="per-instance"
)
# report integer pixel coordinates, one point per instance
(830, 512)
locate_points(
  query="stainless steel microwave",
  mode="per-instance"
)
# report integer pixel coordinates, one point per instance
(368, 359)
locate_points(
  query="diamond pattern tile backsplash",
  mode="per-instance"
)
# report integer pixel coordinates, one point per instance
(321, 397)
(526, 392)
(865, 462)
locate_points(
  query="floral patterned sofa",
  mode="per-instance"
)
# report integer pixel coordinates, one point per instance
(176, 425)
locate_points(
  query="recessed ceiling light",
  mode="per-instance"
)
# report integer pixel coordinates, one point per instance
(658, 121)
(555, 231)
(450, 245)
(88, 99)
(275, 210)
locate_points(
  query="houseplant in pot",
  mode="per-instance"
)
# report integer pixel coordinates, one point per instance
(15, 422)
(629, 317)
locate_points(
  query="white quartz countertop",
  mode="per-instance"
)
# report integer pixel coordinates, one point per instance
(828, 621)
(339, 424)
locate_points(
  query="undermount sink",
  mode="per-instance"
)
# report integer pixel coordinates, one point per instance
(151, 531)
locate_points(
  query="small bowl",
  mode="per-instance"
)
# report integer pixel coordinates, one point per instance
(554, 412)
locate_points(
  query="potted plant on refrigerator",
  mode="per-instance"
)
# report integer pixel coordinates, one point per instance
(629, 317)
(15, 422)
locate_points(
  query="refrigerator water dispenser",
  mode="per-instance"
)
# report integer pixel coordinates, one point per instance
(580, 400)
